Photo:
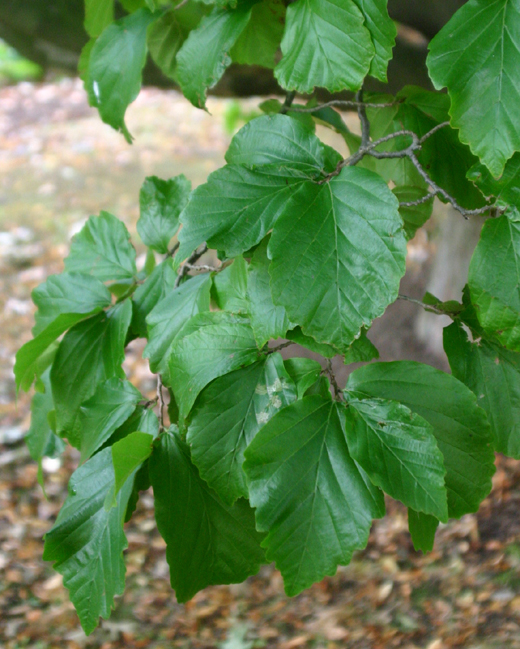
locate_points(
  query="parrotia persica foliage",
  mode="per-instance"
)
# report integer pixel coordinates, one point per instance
(261, 459)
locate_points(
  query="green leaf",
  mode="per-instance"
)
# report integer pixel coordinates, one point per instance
(102, 249)
(230, 287)
(143, 420)
(325, 44)
(414, 217)
(91, 352)
(204, 354)
(304, 372)
(228, 414)
(41, 439)
(259, 42)
(422, 530)
(98, 15)
(311, 497)
(493, 374)
(506, 188)
(361, 351)
(476, 57)
(33, 358)
(323, 249)
(167, 34)
(267, 320)
(459, 425)
(158, 285)
(382, 31)
(117, 58)
(169, 317)
(161, 202)
(398, 450)
(128, 454)
(108, 408)
(298, 337)
(204, 56)
(494, 278)
(207, 541)
(87, 542)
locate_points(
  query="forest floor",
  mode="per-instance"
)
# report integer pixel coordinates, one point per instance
(58, 165)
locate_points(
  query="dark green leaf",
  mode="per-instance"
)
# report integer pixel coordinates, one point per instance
(158, 285)
(459, 425)
(260, 40)
(383, 32)
(103, 249)
(108, 408)
(117, 58)
(493, 374)
(314, 501)
(398, 450)
(323, 250)
(161, 202)
(207, 541)
(414, 217)
(361, 350)
(304, 372)
(298, 337)
(325, 44)
(98, 15)
(228, 414)
(230, 287)
(422, 530)
(494, 278)
(87, 542)
(143, 420)
(506, 189)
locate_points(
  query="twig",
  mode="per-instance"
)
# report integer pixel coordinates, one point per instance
(183, 270)
(418, 201)
(272, 350)
(365, 124)
(181, 4)
(172, 252)
(427, 307)
(339, 103)
(330, 373)
(433, 131)
(203, 267)
(289, 98)
(161, 402)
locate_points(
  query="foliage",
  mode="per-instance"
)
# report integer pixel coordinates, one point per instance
(265, 459)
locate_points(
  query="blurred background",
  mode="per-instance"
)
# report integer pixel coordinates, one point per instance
(59, 164)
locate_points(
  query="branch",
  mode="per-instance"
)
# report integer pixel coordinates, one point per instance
(289, 98)
(365, 124)
(185, 267)
(426, 307)
(418, 201)
(332, 377)
(340, 103)
(160, 398)
(203, 267)
(279, 347)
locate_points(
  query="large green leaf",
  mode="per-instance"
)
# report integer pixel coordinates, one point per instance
(398, 450)
(158, 285)
(207, 541)
(169, 317)
(108, 408)
(113, 78)
(228, 414)
(87, 542)
(422, 530)
(161, 202)
(494, 278)
(102, 249)
(506, 189)
(314, 501)
(204, 56)
(383, 32)
(98, 15)
(267, 320)
(338, 254)
(493, 374)
(224, 344)
(461, 428)
(304, 372)
(325, 44)
(230, 287)
(476, 57)
(259, 42)
(91, 352)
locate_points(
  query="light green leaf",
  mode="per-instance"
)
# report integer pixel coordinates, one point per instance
(259, 42)
(476, 57)
(382, 31)
(314, 501)
(324, 249)
(459, 425)
(128, 454)
(414, 217)
(204, 56)
(91, 352)
(361, 351)
(98, 15)
(87, 542)
(494, 278)
(158, 285)
(108, 408)
(169, 317)
(304, 372)
(102, 249)
(228, 414)
(161, 202)
(506, 188)
(117, 58)
(422, 530)
(230, 287)
(202, 355)
(398, 450)
(325, 44)
(33, 358)
(207, 541)
(493, 374)
(267, 320)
